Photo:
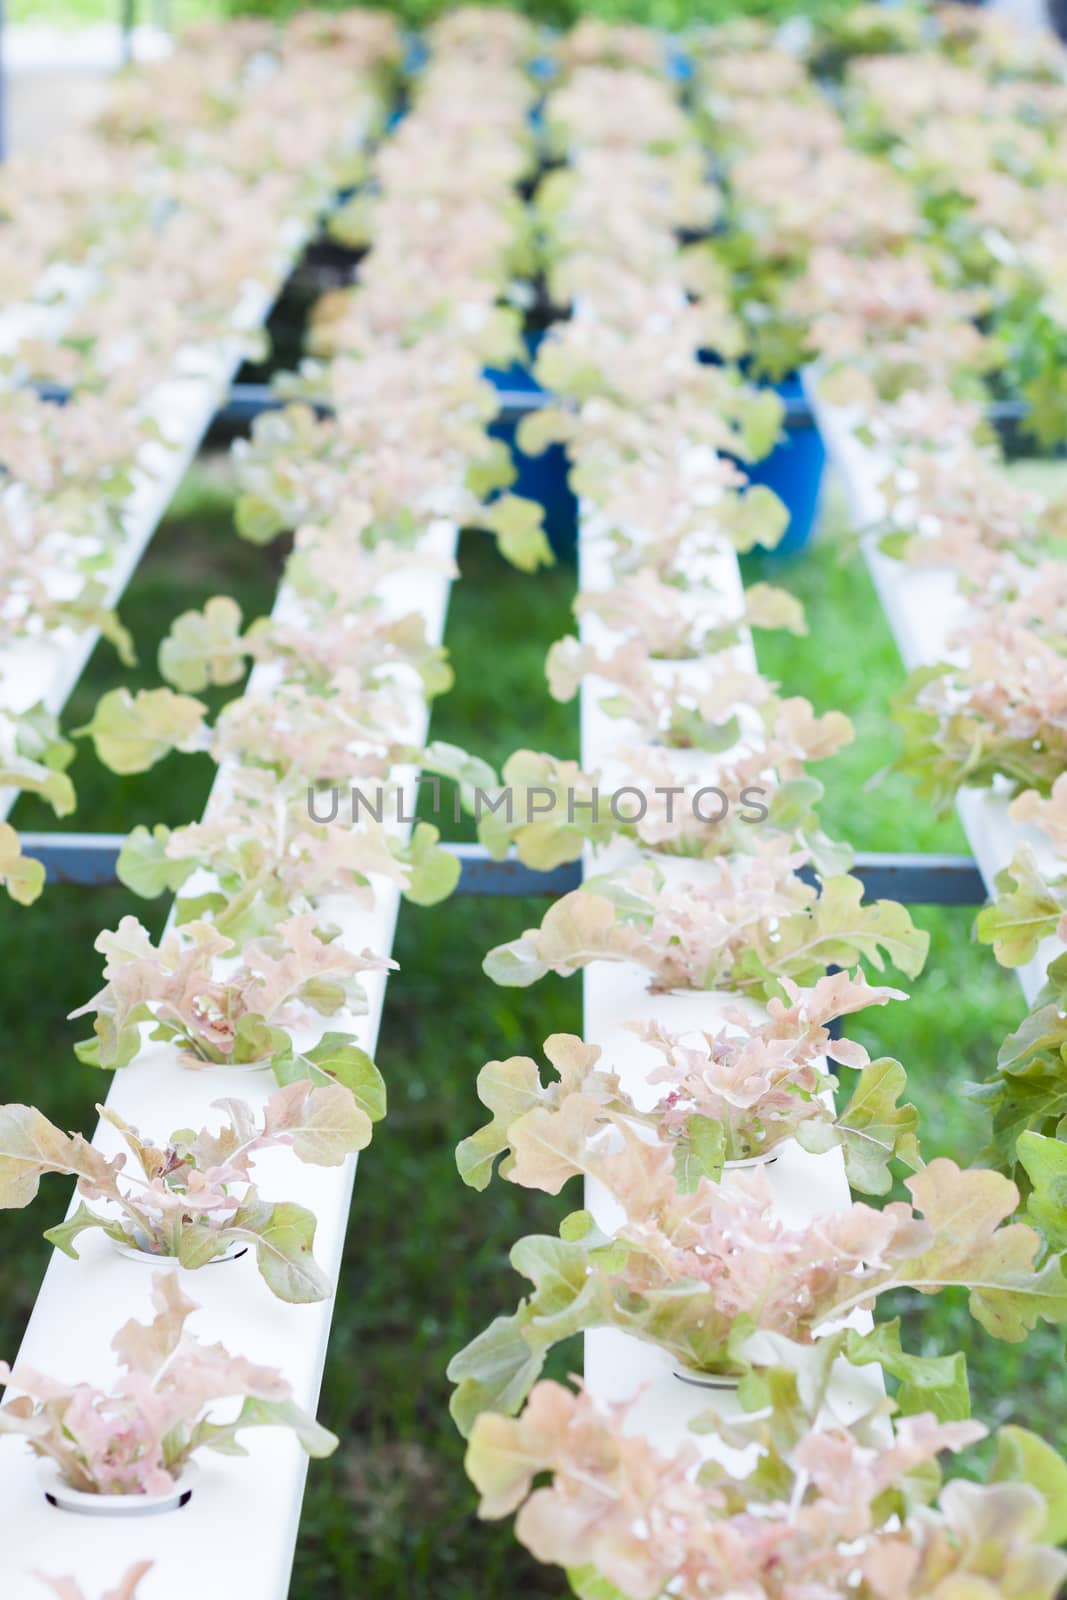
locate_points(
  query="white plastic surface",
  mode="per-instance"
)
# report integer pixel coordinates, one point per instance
(34, 49)
(46, 669)
(238, 1533)
(618, 1365)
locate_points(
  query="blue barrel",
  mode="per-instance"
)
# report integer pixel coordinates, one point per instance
(542, 477)
(794, 468)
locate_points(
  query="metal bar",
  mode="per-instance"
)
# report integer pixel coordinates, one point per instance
(798, 412)
(87, 858)
(480, 874)
(917, 880)
(930, 880)
(933, 880)
(249, 400)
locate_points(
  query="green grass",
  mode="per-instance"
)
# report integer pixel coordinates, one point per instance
(425, 1263)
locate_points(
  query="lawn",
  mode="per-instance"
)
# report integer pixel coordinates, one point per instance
(426, 1259)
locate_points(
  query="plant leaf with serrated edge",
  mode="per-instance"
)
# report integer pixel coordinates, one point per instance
(969, 1246)
(130, 733)
(283, 1236)
(1045, 1162)
(31, 1146)
(519, 528)
(336, 1059)
(1027, 909)
(434, 870)
(143, 865)
(257, 520)
(204, 647)
(1024, 1458)
(20, 875)
(926, 1383)
(873, 1128)
(81, 1221)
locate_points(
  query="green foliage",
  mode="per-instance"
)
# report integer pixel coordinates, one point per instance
(673, 15)
(1028, 1091)
(1034, 354)
(924, 1383)
(391, 1514)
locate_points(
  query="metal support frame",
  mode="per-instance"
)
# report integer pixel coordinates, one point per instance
(89, 858)
(248, 400)
(82, 858)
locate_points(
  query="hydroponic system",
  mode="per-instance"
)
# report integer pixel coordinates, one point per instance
(665, 233)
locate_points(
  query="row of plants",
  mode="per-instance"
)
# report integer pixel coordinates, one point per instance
(702, 1264)
(947, 150)
(791, 1484)
(145, 257)
(265, 949)
(980, 143)
(991, 716)
(975, 148)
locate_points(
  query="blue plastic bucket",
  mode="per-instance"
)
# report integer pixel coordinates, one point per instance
(794, 468)
(543, 477)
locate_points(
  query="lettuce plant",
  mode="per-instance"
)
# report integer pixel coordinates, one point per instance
(325, 737)
(1049, 814)
(193, 1197)
(835, 1511)
(299, 468)
(550, 809)
(34, 757)
(269, 858)
(125, 1589)
(21, 876)
(999, 712)
(722, 1097)
(691, 539)
(601, 368)
(732, 706)
(745, 924)
(302, 737)
(1027, 908)
(949, 501)
(137, 1437)
(283, 980)
(886, 324)
(672, 625)
(700, 1273)
(1028, 1090)
(207, 647)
